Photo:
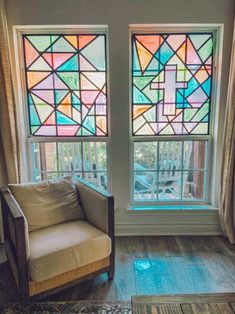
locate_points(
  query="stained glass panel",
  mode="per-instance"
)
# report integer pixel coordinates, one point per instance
(171, 83)
(66, 78)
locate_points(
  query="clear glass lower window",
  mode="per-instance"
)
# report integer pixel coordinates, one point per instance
(87, 160)
(170, 171)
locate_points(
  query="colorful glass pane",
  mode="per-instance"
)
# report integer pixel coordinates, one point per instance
(171, 83)
(66, 78)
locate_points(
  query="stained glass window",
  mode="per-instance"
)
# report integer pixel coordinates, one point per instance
(66, 78)
(171, 83)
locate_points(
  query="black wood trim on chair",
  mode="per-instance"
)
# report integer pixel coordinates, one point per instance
(15, 243)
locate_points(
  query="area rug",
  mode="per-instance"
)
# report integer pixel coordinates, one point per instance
(215, 303)
(70, 307)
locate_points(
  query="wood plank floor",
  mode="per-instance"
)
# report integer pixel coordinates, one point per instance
(153, 265)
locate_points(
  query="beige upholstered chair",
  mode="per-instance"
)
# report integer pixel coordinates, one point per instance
(46, 257)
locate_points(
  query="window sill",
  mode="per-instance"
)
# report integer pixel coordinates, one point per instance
(169, 208)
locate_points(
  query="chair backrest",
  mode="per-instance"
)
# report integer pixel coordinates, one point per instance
(170, 159)
(169, 162)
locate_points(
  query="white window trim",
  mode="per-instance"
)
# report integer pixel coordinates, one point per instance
(21, 97)
(212, 183)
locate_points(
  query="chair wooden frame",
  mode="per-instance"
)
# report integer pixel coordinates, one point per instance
(15, 245)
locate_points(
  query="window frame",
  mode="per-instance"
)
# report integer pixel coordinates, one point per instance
(210, 188)
(21, 95)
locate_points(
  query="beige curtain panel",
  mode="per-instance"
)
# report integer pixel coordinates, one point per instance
(227, 198)
(9, 165)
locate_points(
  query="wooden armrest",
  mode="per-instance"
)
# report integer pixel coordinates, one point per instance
(13, 220)
(10, 203)
(15, 239)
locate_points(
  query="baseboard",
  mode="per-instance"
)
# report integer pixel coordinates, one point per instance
(168, 222)
(171, 229)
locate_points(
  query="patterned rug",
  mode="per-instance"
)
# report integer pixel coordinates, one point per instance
(213, 303)
(70, 307)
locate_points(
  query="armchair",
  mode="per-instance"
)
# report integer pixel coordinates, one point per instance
(53, 258)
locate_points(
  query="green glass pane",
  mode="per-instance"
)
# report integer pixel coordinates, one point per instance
(199, 39)
(202, 112)
(141, 82)
(155, 95)
(85, 132)
(42, 42)
(189, 113)
(61, 45)
(70, 78)
(206, 50)
(150, 115)
(34, 129)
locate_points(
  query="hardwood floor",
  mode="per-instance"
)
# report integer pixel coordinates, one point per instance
(154, 265)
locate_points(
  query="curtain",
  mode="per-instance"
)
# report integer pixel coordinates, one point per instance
(9, 160)
(227, 198)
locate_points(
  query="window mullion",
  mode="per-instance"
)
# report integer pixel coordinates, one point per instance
(182, 170)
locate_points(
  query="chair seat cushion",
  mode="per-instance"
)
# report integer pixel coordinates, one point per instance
(60, 248)
(48, 203)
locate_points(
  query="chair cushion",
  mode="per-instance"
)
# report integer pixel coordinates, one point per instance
(64, 247)
(47, 203)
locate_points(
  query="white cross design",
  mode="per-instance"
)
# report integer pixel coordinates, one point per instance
(170, 86)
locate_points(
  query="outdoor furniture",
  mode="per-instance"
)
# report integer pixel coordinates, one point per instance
(167, 179)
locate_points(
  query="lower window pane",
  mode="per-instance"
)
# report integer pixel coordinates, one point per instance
(170, 155)
(36, 164)
(193, 187)
(170, 170)
(194, 154)
(99, 179)
(145, 185)
(69, 157)
(94, 156)
(169, 185)
(86, 160)
(49, 175)
(48, 156)
(145, 156)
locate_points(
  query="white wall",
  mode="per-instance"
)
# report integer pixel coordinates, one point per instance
(118, 15)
